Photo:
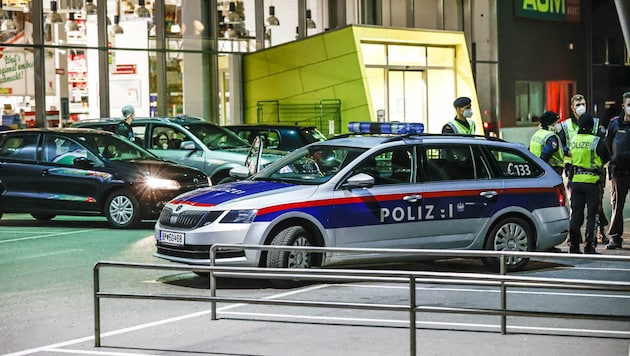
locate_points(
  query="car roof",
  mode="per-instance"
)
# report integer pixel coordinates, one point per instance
(64, 130)
(180, 119)
(370, 140)
(272, 126)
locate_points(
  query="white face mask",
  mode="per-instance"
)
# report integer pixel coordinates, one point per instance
(628, 109)
(468, 113)
(580, 110)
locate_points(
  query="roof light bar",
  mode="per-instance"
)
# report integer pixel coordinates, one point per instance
(396, 128)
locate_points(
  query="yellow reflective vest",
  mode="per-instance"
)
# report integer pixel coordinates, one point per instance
(460, 129)
(587, 164)
(537, 143)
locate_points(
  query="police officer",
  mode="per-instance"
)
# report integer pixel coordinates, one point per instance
(568, 129)
(589, 154)
(618, 143)
(461, 124)
(546, 144)
(124, 127)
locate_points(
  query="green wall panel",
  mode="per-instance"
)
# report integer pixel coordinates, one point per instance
(331, 72)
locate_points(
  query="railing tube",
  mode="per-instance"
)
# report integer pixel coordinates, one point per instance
(503, 271)
(412, 315)
(213, 285)
(97, 308)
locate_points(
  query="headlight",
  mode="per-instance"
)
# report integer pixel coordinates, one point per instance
(239, 216)
(165, 184)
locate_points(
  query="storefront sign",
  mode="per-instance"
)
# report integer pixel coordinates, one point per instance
(125, 69)
(560, 10)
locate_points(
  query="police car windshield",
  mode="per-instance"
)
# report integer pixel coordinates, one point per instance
(314, 164)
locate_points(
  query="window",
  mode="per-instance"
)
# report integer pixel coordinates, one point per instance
(22, 147)
(530, 100)
(513, 164)
(452, 162)
(393, 166)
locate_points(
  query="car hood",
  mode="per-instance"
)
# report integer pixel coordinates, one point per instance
(246, 194)
(161, 169)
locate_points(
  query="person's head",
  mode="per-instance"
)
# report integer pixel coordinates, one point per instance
(462, 107)
(128, 113)
(548, 118)
(578, 105)
(162, 140)
(625, 104)
(585, 122)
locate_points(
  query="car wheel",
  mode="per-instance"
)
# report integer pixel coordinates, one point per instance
(43, 216)
(291, 236)
(122, 210)
(510, 234)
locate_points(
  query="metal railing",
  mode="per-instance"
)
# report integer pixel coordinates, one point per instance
(411, 278)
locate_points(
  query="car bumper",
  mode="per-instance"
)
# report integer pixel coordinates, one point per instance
(552, 226)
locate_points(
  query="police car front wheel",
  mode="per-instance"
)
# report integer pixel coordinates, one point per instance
(291, 236)
(509, 234)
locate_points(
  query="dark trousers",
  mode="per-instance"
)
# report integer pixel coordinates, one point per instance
(584, 195)
(619, 185)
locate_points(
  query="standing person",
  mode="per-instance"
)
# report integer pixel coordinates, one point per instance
(545, 143)
(589, 154)
(568, 130)
(618, 143)
(461, 124)
(124, 127)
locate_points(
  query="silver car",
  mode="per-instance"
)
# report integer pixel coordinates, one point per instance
(190, 141)
(395, 191)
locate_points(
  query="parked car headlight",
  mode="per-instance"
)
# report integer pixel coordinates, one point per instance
(239, 216)
(165, 184)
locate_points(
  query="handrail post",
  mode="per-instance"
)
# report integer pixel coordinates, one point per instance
(213, 285)
(97, 307)
(412, 315)
(503, 271)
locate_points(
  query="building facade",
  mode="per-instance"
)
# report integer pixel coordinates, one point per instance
(87, 58)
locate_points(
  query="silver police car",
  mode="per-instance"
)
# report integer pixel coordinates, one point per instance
(407, 190)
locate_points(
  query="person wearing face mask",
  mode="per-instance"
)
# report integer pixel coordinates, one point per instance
(545, 143)
(589, 155)
(568, 130)
(618, 143)
(461, 124)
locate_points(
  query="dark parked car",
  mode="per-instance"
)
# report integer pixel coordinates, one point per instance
(281, 137)
(49, 172)
(191, 141)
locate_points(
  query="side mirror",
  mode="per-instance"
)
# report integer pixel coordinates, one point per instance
(83, 163)
(361, 180)
(188, 145)
(239, 172)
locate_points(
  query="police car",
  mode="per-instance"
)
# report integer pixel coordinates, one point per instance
(402, 190)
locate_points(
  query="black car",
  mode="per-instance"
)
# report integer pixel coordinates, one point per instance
(49, 172)
(280, 137)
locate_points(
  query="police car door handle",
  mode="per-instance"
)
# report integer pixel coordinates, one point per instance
(490, 194)
(412, 198)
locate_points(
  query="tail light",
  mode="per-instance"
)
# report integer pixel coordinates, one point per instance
(560, 192)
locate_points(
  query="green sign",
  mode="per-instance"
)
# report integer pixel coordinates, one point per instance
(559, 10)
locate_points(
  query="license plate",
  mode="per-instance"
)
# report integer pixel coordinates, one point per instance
(172, 238)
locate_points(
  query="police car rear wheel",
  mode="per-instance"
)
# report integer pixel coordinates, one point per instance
(510, 234)
(291, 236)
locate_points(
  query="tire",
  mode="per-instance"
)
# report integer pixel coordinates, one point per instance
(43, 216)
(291, 236)
(123, 210)
(509, 234)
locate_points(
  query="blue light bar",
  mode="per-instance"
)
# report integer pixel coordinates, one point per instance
(395, 128)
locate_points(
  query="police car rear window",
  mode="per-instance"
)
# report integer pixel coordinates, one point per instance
(514, 164)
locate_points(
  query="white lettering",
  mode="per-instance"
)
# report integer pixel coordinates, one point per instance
(398, 214)
(384, 214)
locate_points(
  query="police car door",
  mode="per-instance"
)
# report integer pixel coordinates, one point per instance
(458, 197)
(386, 214)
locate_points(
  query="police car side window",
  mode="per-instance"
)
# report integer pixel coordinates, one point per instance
(448, 162)
(514, 164)
(392, 166)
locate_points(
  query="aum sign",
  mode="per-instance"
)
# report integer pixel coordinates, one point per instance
(561, 10)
